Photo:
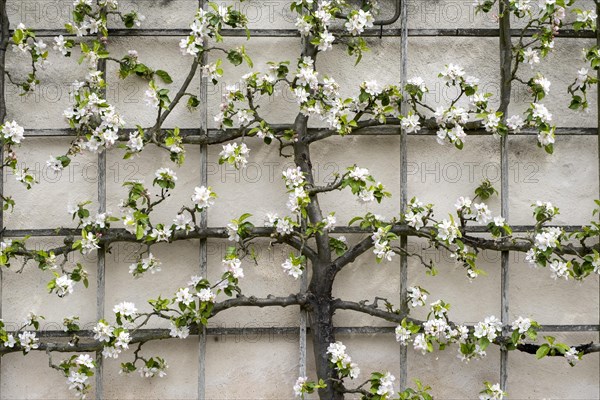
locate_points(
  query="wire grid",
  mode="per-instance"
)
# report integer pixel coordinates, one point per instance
(203, 133)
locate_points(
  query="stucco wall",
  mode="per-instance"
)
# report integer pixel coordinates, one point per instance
(265, 367)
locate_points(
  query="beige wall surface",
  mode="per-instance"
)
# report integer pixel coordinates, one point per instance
(266, 366)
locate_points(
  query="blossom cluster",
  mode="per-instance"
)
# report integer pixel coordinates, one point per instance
(452, 120)
(87, 21)
(235, 154)
(416, 296)
(363, 185)
(207, 24)
(194, 303)
(148, 264)
(382, 239)
(417, 213)
(78, 370)
(25, 340)
(383, 385)
(91, 115)
(492, 392)
(25, 42)
(295, 182)
(294, 265)
(342, 361)
(11, 134)
(283, 226)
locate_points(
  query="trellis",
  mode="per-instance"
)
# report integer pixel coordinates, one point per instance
(202, 137)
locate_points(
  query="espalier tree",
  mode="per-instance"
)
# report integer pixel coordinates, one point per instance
(308, 231)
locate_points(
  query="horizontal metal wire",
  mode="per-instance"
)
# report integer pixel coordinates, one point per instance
(455, 32)
(196, 136)
(278, 330)
(62, 232)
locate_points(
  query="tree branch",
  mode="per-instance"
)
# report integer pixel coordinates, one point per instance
(373, 311)
(269, 301)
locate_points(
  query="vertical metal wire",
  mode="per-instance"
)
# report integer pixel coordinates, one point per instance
(3, 45)
(100, 278)
(203, 248)
(302, 338)
(505, 45)
(302, 332)
(598, 116)
(101, 263)
(598, 97)
(403, 188)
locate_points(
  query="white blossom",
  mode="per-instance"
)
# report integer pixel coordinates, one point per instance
(179, 332)
(402, 335)
(184, 296)
(372, 87)
(284, 226)
(329, 221)
(89, 243)
(28, 341)
(161, 234)
(499, 221)
(386, 385)
(85, 360)
(111, 352)
(299, 385)
(452, 73)
(489, 328)
(236, 154)
(122, 340)
(13, 131)
(293, 177)
(60, 45)
(447, 231)
(54, 164)
(483, 214)
(418, 82)
(358, 21)
(183, 222)
(292, 268)
(515, 123)
(203, 197)
(64, 285)
(587, 16)
(494, 393)
(582, 77)
(366, 196)
(126, 309)
(531, 56)
(234, 265)
(416, 296)
(359, 174)
(232, 232)
(152, 99)
(559, 270)
(572, 356)
(521, 324)
(103, 332)
(420, 343)
(135, 142)
(543, 83)
(206, 295)
(411, 123)
(548, 238)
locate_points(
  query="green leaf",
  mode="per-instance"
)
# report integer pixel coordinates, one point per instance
(164, 75)
(18, 36)
(235, 57)
(542, 351)
(193, 102)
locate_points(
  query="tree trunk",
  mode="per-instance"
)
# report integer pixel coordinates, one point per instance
(321, 325)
